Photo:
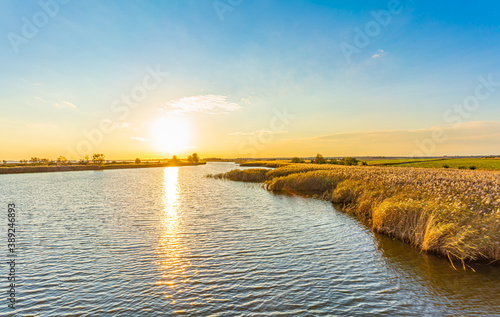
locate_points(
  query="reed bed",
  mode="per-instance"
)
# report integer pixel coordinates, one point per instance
(272, 164)
(455, 213)
(254, 175)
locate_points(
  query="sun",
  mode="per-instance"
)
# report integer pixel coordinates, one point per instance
(171, 135)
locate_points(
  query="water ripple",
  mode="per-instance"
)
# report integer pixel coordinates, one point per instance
(167, 241)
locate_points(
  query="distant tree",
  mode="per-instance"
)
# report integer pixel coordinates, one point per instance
(4, 161)
(319, 159)
(333, 161)
(137, 161)
(364, 163)
(34, 159)
(175, 159)
(196, 158)
(193, 159)
(98, 158)
(44, 161)
(61, 160)
(350, 161)
(297, 160)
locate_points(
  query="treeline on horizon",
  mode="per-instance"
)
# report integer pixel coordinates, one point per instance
(321, 160)
(97, 159)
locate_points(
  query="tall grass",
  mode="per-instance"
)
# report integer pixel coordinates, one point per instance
(265, 163)
(455, 213)
(254, 175)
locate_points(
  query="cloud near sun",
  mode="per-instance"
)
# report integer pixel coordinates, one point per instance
(210, 104)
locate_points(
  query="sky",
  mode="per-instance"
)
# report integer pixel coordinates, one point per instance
(241, 78)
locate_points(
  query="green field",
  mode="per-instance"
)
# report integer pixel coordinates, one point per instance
(396, 161)
(464, 163)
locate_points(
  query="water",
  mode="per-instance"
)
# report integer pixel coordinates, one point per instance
(168, 241)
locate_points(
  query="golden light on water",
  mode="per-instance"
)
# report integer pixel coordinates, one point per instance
(171, 250)
(170, 199)
(171, 134)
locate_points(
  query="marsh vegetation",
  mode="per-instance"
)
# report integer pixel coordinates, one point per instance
(452, 212)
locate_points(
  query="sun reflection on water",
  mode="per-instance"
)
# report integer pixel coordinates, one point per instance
(170, 217)
(171, 251)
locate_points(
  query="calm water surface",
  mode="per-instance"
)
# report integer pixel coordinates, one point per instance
(168, 241)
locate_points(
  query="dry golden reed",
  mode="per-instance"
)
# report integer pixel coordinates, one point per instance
(455, 213)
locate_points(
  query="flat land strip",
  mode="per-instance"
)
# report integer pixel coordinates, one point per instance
(18, 169)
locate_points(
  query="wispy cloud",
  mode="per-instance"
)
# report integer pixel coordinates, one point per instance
(247, 100)
(468, 130)
(480, 137)
(257, 132)
(64, 104)
(210, 104)
(379, 54)
(121, 125)
(138, 138)
(40, 126)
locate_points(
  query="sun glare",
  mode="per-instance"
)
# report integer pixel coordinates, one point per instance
(171, 134)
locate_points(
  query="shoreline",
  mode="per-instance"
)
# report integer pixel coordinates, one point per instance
(72, 168)
(439, 212)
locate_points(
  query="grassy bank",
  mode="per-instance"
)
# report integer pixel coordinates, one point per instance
(265, 163)
(455, 213)
(484, 163)
(492, 164)
(254, 175)
(68, 168)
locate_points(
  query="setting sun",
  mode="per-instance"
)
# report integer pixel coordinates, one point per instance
(234, 158)
(171, 134)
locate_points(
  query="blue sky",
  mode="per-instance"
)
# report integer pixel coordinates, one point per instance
(263, 56)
